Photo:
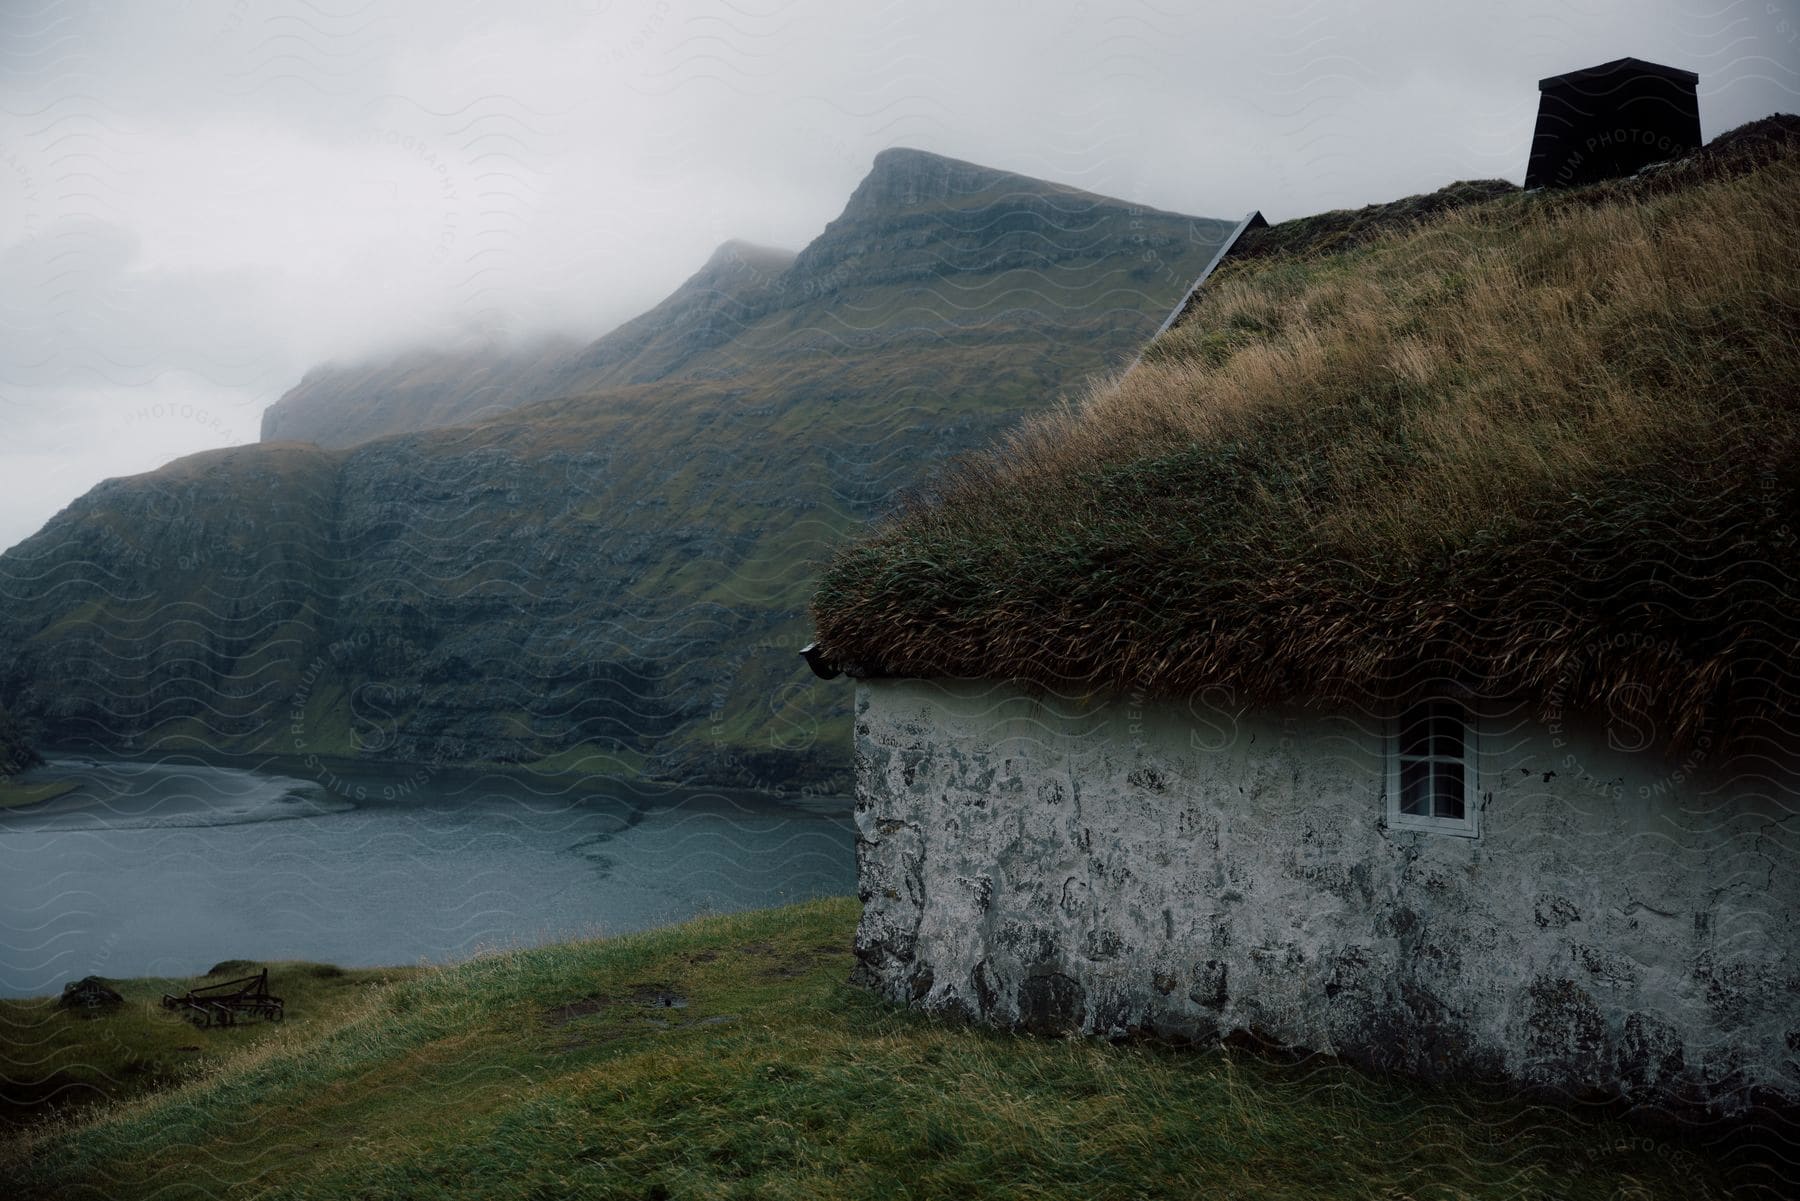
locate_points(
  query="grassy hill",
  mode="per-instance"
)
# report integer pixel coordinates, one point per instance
(613, 578)
(728, 1057)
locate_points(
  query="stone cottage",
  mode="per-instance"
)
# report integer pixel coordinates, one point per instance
(1397, 663)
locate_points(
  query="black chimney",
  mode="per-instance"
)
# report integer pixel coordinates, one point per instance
(1611, 120)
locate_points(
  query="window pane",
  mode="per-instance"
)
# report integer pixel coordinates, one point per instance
(1447, 789)
(1415, 731)
(1415, 788)
(1433, 759)
(1447, 736)
(1433, 728)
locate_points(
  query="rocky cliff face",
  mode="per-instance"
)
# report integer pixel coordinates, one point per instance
(612, 573)
(739, 284)
(919, 216)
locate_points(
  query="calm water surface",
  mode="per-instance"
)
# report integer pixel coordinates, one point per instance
(165, 868)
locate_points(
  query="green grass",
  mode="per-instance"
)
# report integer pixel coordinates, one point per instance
(70, 1061)
(560, 1072)
(14, 793)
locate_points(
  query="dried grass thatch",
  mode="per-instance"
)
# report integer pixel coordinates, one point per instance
(1546, 445)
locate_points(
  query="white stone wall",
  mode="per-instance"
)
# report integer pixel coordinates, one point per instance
(1622, 925)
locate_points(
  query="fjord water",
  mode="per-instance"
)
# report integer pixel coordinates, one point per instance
(165, 868)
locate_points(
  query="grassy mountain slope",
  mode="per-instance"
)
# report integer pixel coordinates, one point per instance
(614, 579)
(728, 1058)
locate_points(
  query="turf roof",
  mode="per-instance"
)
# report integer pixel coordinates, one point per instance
(1542, 445)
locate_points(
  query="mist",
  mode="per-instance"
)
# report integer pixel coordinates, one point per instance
(198, 203)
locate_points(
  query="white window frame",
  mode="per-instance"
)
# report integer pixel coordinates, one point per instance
(1469, 824)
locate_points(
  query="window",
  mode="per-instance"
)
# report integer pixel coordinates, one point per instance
(1431, 769)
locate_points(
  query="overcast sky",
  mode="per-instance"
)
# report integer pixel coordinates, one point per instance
(199, 199)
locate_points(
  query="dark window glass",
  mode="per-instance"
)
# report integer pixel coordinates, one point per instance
(1447, 788)
(1433, 760)
(1415, 787)
(1415, 732)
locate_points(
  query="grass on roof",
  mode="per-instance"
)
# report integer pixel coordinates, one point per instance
(1545, 445)
(729, 1058)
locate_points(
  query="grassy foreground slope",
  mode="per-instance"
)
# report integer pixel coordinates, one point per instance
(728, 1057)
(71, 1062)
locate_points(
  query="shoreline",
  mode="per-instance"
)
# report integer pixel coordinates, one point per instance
(16, 795)
(321, 768)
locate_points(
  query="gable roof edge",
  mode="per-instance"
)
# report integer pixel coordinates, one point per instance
(1252, 220)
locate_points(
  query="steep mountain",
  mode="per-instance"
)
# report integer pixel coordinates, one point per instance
(423, 388)
(614, 578)
(918, 216)
(739, 283)
(434, 388)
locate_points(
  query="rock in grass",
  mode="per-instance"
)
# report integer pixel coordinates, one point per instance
(234, 967)
(90, 992)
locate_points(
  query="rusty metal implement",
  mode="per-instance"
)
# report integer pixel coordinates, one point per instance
(222, 1004)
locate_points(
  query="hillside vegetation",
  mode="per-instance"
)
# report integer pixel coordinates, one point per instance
(17, 755)
(729, 1058)
(613, 578)
(16, 750)
(1543, 443)
(71, 1062)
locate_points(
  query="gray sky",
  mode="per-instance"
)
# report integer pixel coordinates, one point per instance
(200, 200)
